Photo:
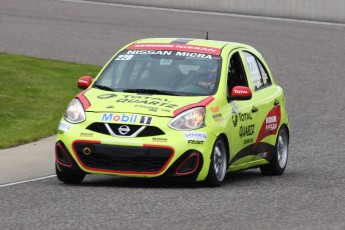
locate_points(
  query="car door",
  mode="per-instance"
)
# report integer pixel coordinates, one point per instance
(266, 99)
(243, 118)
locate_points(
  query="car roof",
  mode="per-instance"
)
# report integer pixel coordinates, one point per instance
(194, 42)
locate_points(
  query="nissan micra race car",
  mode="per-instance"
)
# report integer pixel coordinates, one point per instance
(187, 109)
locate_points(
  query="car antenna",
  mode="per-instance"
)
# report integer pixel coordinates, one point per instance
(206, 35)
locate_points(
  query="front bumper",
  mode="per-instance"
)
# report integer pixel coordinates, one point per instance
(146, 161)
(172, 154)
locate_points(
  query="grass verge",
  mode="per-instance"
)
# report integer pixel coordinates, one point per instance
(34, 94)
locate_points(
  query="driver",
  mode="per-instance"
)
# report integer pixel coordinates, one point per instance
(207, 77)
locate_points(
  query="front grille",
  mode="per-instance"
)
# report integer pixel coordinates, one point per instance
(122, 158)
(146, 132)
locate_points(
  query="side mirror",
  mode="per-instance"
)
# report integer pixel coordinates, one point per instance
(240, 93)
(84, 82)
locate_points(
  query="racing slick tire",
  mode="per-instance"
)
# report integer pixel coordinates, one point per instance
(280, 155)
(69, 178)
(218, 165)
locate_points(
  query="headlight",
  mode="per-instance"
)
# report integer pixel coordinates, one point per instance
(190, 119)
(75, 112)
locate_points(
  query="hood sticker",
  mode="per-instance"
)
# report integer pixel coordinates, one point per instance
(141, 101)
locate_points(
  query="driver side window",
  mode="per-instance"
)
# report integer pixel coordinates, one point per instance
(236, 74)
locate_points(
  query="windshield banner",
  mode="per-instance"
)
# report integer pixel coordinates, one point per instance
(176, 47)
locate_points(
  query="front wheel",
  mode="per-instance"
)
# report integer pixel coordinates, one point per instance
(218, 165)
(280, 156)
(69, 178)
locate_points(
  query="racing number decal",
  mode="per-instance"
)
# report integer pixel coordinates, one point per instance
(124, 57)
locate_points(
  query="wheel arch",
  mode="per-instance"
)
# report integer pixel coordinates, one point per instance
(287, 129)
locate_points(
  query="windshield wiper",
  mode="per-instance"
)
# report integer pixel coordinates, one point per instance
(103, 87)
(151, 91)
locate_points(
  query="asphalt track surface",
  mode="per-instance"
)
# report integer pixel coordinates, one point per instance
(308, 62)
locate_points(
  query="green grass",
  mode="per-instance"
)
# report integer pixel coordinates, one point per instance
(34, 94)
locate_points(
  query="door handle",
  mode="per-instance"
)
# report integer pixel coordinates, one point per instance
(276, 102)
(255, 109)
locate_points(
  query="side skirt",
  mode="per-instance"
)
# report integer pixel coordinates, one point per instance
(248, 165)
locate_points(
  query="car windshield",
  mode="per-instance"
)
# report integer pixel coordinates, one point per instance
(162, 72)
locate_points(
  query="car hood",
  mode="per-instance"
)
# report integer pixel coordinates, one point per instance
(151, 104)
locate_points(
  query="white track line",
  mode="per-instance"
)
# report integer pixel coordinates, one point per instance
(208, 13)
(26, 181)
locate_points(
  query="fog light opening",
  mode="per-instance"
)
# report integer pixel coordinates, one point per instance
(61, 156)
(189, 165)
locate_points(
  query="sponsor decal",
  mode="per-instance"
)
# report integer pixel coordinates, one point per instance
(64, 127)
(248, 141)
(199, 136)
(270, 125)
(165, 103)
(241, 92)
(153, 109)
(132, 118)
(217, 117)
(234, 119)
(86, 134)
(272, 119)
(150, 52)
(158, 139)
(131, 53)
(215, 109)
(195, 142)
(247, 130)
(176, 47)
(119, 118)
(240, 117)
(245, 116)
(140, 100)
(82, 81)
(145, 120)
(194, 55)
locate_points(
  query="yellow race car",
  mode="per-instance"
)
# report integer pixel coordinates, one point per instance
(188, 109)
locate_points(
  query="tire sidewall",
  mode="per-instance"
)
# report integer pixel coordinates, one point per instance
(212, 179)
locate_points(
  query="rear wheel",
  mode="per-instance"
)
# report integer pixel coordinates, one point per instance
(218, 165)
(69, 178)
(280, 155)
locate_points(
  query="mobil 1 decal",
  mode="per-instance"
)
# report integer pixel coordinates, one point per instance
(270, 125)
(128, 118)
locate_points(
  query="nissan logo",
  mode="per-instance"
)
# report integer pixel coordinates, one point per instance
(124, 129)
